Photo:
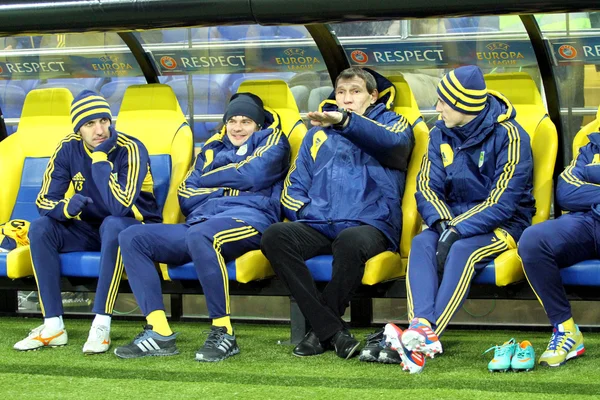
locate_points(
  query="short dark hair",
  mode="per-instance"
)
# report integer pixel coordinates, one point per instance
(351, 72)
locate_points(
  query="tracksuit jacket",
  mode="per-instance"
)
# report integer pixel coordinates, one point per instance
(578, 186)
(121, 187)
(243, 183)
(479, 176)
(353, 176)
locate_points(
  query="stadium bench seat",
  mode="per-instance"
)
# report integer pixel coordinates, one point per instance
(391, 265)
(276, 96)
(152, 114)
(45, 120)
(523, 93)
(585, 273)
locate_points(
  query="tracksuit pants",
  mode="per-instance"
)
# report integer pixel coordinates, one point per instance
(209, 245)
(288, 244)
(49, 237)
(547, 247)
(437, 301)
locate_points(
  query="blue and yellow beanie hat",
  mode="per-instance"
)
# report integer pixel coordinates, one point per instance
(86, 106)
(464, 90)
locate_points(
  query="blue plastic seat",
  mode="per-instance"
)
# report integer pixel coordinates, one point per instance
(74, 86)
(286, 76)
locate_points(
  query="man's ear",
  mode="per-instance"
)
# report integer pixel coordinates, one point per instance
(374, 96)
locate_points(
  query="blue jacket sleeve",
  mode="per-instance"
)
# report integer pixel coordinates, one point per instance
(265, 166)
(430, 195)
(389, 141)
(513, 173)
(294, 196)
(120, 183)
(51, 200)
(191, 194)
(578, 188)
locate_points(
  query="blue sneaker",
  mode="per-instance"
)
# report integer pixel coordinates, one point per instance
(524, 358)
(503, 356)
(148, 343)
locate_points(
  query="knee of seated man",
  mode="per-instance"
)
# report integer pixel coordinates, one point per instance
(532, 239)
(40, 227)
(274, 234)
(112, 226)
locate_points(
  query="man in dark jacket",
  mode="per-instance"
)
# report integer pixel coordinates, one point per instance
(343, 195)
(229, 198)
(574, 237)
(474, 193)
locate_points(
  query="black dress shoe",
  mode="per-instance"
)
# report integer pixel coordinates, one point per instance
(309, 346)
(344, 344)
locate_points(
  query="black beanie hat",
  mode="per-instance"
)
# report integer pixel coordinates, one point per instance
(246, 105)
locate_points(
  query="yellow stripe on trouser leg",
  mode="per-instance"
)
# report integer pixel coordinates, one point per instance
(465, 281)
(530, 285)
(160, 325)
(38, 287)
(409, 298)
(230, 235)
(113, 290)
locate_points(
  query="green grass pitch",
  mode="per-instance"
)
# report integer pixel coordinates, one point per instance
(267, 370)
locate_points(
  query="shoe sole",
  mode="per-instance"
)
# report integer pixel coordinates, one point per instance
(41, 347)
(231, 354)
(157, 353)
(415, 341)
(570, 356)
(352, 351)
(91, 353)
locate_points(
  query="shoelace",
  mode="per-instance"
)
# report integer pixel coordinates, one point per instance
(499, 350)
(146, 328)
(555, 340)
(521, 352)
(375, 338)
(215, 336)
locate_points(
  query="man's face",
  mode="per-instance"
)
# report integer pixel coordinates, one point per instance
(239, 129)
(450, 116)
(351, 94)
(95, 132)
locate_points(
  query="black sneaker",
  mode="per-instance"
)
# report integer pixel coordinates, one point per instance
(389, 356)
(218, 345)
(375, 343)
(344, 344)
(148, 343)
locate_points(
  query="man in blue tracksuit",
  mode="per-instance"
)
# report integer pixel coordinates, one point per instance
(474, 193)
(547, 247)
(343, 193)
(110, 174)
(229, 198)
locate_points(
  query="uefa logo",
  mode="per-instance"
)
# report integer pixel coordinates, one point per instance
(567, 51)
(359, 56)
(168, 62)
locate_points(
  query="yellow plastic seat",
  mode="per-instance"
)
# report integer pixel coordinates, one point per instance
(276, 97)
(390, 265)
(151, 113)
(45, 120)
(581, 139)
(523, 93)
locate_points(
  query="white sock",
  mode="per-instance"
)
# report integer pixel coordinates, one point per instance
(103, 320)
(54, 324)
